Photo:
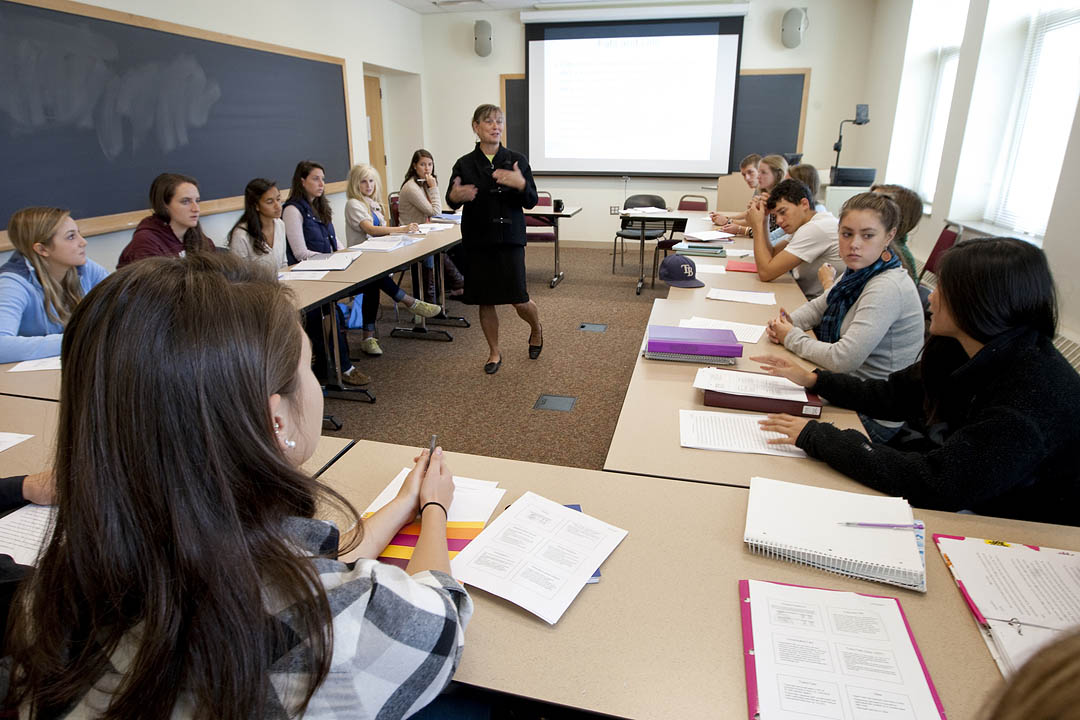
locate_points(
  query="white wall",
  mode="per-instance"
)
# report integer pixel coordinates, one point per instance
(841, 36)
(380, 32)
(1062, 249)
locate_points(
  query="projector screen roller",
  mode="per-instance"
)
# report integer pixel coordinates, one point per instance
(654, 98)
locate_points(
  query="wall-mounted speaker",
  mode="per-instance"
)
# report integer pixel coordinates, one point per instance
(482, 38)
(793, 27)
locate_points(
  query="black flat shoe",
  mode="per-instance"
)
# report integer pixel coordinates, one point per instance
(534, 350)
(493, 367)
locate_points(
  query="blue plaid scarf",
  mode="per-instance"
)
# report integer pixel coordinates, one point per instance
(844, 294)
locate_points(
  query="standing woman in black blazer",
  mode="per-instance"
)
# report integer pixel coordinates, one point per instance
(494, 184)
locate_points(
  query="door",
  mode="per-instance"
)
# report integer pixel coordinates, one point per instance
(376, 146)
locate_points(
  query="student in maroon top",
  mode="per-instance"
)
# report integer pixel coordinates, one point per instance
(173, 229)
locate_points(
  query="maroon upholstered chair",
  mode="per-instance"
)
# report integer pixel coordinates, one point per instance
(395, 198)
(543, 201)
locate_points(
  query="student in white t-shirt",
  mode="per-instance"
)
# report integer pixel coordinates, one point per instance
(812, 238)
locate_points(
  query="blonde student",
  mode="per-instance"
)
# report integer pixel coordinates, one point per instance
(189, 575)
(41, 283)
(871, 323)
(771, 171)
(364, 218)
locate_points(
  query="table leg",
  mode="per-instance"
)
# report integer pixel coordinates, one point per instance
(341, 392)
(557, 278)
(420, 331)
(641, 259)
(440, 292)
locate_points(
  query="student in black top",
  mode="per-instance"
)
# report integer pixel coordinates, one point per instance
(993, 407)
(40, 489)
(494, 184)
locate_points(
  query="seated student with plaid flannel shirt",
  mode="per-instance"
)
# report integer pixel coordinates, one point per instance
(187, 576)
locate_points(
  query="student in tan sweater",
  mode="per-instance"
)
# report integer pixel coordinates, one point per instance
(418, 201)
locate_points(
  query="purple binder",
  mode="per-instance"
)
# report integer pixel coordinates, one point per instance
(693, 341)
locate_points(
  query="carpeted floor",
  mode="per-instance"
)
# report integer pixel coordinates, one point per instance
(426, 387)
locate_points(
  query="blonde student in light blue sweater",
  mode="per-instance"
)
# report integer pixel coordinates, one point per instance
(42, 281)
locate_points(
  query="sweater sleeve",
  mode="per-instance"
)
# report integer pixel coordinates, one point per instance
(14, 299)
(294, 233)
(977, 463)
(898, 397)
(808, 315)
(357, 212)
(872, 316)
(455, 173)
(11, 492)
(418, 205)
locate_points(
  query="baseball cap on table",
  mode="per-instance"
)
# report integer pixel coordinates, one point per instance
(680, 271)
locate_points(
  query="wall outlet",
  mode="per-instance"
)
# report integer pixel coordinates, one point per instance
(613, 209)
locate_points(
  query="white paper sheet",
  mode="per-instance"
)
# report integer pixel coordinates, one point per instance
(707, 235)
(474, 500)
(49, 363)
(10, 439)
(743, 296)
(25, 531)
(703, 269)
(302, 275)
(738, 253)
(336, 261)
(731, 432)
(744, 332)
(749, 384)
(433, 227)
(644, 210)
(537, 554)
(827, 654)
(389, 243)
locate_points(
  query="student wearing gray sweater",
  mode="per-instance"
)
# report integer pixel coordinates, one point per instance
(870, 323)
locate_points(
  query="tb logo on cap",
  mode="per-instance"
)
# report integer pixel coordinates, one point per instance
(688, 270)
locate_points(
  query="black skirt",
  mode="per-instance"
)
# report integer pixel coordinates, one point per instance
(494, 274)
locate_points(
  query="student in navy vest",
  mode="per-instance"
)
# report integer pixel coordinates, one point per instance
(309, 229)
(173, 229)
(494, 184)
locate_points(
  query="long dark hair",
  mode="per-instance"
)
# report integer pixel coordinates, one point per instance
(990, 286)
(251, 221)
(993, 285)
(172, 495)
(162, 191)
(320, 205)
(411, 172)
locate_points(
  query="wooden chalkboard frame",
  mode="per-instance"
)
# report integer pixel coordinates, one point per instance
(805, 72)
(128, 220)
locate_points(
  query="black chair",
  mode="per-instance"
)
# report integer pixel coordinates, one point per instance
(630, 228)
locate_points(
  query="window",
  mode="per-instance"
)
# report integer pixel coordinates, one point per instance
(948, 60)
(1030, 164)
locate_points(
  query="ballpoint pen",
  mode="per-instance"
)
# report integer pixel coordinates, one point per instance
(894, 526)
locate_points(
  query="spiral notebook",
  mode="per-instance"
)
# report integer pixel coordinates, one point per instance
(806, 525)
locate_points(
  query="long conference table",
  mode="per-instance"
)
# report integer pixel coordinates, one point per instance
(659, 636)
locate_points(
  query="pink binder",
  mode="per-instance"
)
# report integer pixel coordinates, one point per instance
(753, 704)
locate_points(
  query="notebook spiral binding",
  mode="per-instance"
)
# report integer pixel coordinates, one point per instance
(846, 567)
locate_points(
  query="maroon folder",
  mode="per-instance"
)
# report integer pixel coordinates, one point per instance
(811, 408)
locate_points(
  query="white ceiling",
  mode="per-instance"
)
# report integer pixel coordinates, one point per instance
(428, 7)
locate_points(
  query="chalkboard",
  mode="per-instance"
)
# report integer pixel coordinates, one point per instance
(95, 103)
(770, 112)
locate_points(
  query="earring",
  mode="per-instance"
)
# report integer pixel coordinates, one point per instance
(290, 444)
